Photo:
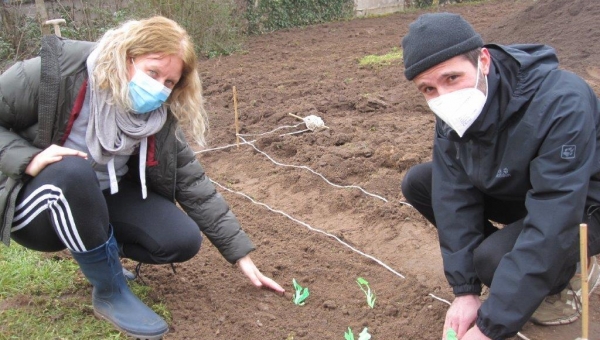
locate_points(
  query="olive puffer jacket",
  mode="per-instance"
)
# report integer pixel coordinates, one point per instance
(38, 99)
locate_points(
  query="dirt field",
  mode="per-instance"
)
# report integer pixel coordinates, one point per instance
(379, 126)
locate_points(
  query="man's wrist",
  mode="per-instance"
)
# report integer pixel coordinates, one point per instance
(467, 289)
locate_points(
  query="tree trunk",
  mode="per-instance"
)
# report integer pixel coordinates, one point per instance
(42, 15)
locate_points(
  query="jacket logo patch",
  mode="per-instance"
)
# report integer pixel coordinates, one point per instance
(568, 152)
(502, 173)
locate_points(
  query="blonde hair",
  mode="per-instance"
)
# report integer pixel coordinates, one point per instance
(161, 36)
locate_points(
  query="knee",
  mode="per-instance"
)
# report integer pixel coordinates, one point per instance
(406, 185)
(485, 261)
(411, 184)
(72, 169)
(187, 248)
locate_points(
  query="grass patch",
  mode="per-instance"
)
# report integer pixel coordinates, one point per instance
(381, 60)
(45, 297)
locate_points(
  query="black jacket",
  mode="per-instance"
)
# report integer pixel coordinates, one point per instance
(37, 98)
(535, 142)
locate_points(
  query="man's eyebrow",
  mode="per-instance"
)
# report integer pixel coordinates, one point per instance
(451, 73)
(421, 85)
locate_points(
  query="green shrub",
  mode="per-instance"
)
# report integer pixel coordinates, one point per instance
(270, 15)
(87, 20)
(215, 25)
(20, 37)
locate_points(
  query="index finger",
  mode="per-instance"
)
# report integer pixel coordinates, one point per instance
(70, 152)
(268, 282)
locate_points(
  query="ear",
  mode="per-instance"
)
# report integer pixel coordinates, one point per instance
(486, 60)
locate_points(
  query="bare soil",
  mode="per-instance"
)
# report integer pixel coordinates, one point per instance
(379, 126)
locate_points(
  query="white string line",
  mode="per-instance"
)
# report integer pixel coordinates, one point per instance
(250, 142)
(311, 228)
(223, 147)
(294, 133)
(448, 303)
(522, 336)
(316, 173)
(266, 133)
(440, 299)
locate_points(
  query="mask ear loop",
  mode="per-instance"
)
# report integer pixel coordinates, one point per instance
(478, 71)
(134, 66)
(477, 79)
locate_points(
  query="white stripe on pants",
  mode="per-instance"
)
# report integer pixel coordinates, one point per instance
(49, 197)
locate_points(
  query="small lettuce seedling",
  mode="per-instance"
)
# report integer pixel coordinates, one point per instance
(364, 286)
(300, 293)
(364, 335)
(451, 335)
(348, 335)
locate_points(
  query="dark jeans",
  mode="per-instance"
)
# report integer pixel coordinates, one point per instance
(63, 207)
(417, 189)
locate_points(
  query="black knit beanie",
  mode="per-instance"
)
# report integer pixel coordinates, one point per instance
(434, 38)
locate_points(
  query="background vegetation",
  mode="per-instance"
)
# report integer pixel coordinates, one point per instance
(270, 15)
(218, 27)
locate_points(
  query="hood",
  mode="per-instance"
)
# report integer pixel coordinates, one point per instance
(516, 73)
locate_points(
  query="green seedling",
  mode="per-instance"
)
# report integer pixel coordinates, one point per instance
(300, 293)
(364, 335)
(364, 286)
(348, 335)
(451, 335)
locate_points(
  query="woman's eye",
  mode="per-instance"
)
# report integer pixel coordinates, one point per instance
(152, 73)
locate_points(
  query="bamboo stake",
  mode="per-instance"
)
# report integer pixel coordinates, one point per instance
(584, 280)
(293, 115)
(237, 124)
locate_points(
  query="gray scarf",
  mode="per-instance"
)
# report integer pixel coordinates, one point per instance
(113, 131)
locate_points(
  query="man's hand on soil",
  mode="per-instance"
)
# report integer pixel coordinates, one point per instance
(462, 315)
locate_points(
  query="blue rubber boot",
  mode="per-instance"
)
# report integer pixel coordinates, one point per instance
(111, 297)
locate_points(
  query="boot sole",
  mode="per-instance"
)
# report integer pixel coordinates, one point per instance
(564, 321)
(129, 333)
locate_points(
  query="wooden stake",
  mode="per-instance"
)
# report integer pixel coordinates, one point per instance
(237, 124)
(293, 115)
(584, 280)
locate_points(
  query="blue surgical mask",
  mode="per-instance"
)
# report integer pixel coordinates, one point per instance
(146, 93)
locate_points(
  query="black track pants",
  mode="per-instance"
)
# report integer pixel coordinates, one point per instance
(63, 207)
